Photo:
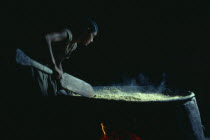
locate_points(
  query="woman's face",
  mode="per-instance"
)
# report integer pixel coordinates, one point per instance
(88, 37)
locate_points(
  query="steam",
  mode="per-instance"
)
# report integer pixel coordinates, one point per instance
(143, 83)
(144, 80)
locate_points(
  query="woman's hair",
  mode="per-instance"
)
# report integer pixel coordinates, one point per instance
(93, 27)
(80, 25)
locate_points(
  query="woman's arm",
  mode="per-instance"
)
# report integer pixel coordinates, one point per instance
(55, 37)
(60, 66)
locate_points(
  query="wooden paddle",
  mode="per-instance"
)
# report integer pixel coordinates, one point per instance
(68, 81)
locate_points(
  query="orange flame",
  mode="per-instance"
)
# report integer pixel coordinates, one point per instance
(102, 127)
(115, 135)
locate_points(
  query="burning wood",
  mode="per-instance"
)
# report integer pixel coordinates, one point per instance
(118, 135)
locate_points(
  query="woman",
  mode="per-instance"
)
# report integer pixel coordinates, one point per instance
(66, 42)
(57, 47)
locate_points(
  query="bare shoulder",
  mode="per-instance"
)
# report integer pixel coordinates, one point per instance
(57, 36)
(69, 34)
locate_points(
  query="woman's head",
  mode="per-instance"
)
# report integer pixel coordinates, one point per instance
(85, 31)
(92, 26)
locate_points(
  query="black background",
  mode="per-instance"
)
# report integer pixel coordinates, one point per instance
(135, 36)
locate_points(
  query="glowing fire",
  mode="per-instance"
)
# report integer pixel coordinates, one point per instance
(102, 127)
(115, 135)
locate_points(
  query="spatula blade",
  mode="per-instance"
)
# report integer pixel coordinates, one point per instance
(76, 85)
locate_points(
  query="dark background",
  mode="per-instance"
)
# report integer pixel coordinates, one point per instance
(148, 37)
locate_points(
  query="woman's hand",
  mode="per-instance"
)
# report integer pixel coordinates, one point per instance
(57, 73)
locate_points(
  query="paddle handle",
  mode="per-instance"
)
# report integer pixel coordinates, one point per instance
(23, 59)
